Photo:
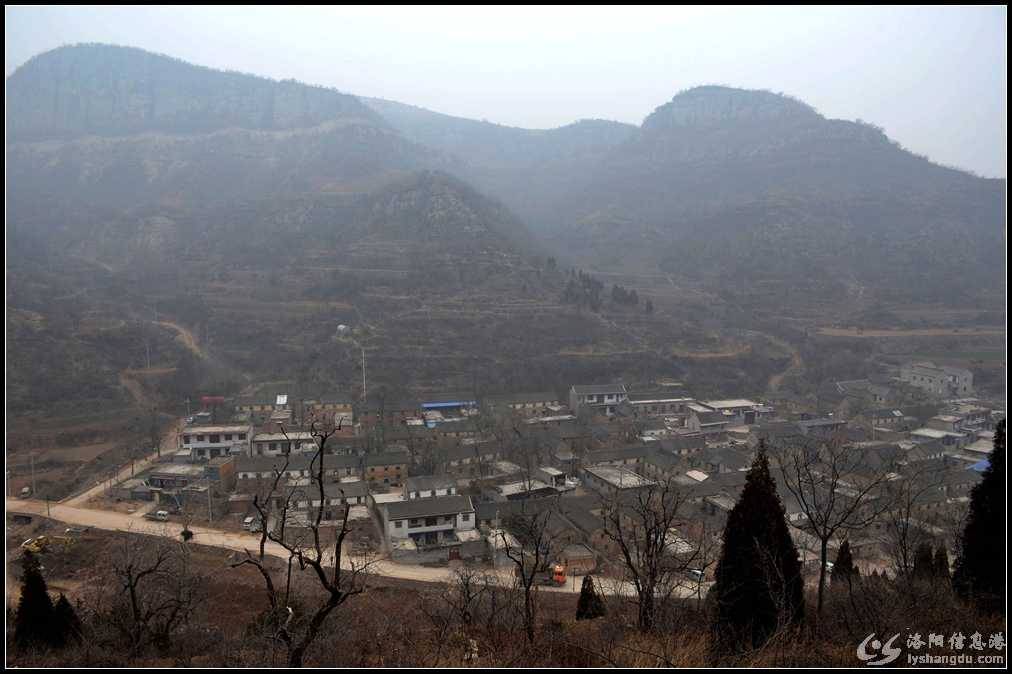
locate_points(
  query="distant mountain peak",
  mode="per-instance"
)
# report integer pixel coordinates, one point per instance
(715, 103)
(108, 90)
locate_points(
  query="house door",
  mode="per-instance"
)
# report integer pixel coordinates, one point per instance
(454, 552)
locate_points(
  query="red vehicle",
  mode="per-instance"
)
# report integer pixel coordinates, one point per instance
(554, 574)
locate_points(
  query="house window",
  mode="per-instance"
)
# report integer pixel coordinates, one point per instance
(186, 439)
(214, 438)
(242, 436)
(431, 521)
(466, 517)
(200, 438)
(398, 524)
(228, 436)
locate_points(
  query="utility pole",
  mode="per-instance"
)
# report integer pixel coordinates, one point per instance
(209, 502)
(33, 473)
(363, 371)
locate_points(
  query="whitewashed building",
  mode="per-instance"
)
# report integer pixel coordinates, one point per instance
(428, 521)
(208, 442)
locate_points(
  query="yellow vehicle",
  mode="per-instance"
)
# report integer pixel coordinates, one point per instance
(36, 545)
(42, 543)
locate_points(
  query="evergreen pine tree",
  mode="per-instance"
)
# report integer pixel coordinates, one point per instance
(844, 571)
(942, 564)
(924, 562)
(758, 587)
(590, 604)
(33, 626)
(66, 624)
(980, 568)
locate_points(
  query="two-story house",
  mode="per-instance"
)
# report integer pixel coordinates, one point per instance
(428, 521)
(597, 398)
(208, 442)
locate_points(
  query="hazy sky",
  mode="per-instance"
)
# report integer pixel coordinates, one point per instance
(935, 78)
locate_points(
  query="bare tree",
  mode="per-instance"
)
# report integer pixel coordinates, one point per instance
(297, 633)
(157, 592)
(530, 550)
(642, 525)
(454, 609)
(902, 531)
(830, 484)
(706, 553)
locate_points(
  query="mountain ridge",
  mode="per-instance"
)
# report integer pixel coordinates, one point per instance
(715, 168)
(116, 90)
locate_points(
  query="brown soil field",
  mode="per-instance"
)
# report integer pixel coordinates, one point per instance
(917, 332)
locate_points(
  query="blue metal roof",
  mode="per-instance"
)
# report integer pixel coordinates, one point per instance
(980, 466)
(456, 403)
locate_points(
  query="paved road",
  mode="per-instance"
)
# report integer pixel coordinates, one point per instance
(114, 521)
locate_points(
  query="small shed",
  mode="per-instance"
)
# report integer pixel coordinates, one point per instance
(579, 559)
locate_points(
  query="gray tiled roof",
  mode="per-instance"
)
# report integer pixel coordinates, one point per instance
(597, 389)
(429, 507)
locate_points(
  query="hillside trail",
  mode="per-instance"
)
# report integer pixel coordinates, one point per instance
(796, 365)
(184, 335)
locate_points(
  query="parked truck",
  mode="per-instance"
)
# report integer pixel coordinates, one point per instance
(553, 574)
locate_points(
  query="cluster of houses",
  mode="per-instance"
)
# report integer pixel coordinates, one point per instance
(442, 476)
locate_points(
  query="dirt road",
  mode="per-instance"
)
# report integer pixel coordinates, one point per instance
(240, 542)
(168, 444)
(794, 368)
(186, 337)
(128, 379)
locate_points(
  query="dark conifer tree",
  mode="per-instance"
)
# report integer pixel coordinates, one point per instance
(758, 588)
(844, 571)
(33, 622)
(942, 564)
(590, 604)
(924, 562)
(980, 568)
(66, 624)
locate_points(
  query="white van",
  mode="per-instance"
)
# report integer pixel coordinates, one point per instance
(162, 515)
(247, 523)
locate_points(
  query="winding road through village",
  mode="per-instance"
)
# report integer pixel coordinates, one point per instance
(240, 542)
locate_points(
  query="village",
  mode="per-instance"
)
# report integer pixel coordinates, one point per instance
(439, 480)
